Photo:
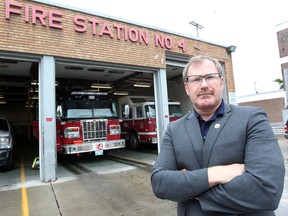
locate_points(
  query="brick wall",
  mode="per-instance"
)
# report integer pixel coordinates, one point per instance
(18, 35)
(273, 108)
(282, 37)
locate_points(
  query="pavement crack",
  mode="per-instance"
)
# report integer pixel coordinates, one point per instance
(56, 200)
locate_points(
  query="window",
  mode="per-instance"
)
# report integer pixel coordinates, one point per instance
(150, 111)
(123, 112)
(175, 111)
(4, 125)
(139, 112)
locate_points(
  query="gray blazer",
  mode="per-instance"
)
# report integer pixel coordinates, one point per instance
(242, 135)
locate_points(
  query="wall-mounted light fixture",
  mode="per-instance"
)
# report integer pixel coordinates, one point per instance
(142, 84)
(116, 72)
(34, 90)
(73, 68)
(231, 48)
(34, 82)
(92, 90)
(2, 100)
(34, 97)
(121, 93)
(88, 93)
(96, 70)
(101, 85)
(28, 104)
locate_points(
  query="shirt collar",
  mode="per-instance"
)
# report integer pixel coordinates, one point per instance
(219, 112)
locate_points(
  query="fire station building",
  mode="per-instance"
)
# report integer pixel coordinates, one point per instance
(54, 49)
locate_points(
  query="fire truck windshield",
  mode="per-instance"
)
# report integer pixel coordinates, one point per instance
(174, 110)
(89, 109)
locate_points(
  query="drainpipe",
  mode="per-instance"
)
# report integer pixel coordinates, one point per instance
(285, 76)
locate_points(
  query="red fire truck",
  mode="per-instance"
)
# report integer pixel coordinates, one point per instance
(139, 125)
(86, 123)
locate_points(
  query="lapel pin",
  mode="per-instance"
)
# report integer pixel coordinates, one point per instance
(217, 126)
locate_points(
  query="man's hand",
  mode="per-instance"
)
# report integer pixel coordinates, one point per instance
(223, 174)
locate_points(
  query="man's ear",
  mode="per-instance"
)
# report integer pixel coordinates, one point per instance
(222, 83)
(186, 88)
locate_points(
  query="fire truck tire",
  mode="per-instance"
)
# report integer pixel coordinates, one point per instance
(134, 141)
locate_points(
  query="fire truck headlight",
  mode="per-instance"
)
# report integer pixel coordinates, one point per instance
(115, 129)
(72, 132)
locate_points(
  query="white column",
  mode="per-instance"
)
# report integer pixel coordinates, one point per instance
(47, 121)
(285, 75)
(161, 102)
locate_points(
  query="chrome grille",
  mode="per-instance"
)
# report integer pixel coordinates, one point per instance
(94, 129)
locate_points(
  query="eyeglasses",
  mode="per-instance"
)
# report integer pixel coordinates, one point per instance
(197, 79)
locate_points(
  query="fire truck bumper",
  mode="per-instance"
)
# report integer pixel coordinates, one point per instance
(96, 147)
(114, 144)
(153, 140)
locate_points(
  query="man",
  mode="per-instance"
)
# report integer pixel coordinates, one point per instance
(220, 159)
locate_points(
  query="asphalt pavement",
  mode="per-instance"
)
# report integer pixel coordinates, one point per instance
(102, 186)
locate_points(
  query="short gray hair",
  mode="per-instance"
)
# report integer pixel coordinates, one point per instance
(198, 60)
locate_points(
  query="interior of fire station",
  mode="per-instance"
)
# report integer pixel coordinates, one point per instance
(20, 85)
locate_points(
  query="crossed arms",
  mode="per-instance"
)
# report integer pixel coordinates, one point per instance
(227, 188)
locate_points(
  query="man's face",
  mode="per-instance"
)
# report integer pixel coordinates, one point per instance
(204, 93)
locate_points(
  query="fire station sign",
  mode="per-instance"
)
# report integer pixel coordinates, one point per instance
(36, 15)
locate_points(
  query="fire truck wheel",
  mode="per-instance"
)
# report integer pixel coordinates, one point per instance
(134, 141)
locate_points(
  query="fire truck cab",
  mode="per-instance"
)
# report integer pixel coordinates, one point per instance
(139, 119)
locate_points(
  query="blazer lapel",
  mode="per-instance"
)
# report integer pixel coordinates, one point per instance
(194, 133)
(214, 131)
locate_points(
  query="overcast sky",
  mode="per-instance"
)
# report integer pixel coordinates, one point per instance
(248, 24)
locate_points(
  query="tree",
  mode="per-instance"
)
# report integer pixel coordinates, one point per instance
(280, 83)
